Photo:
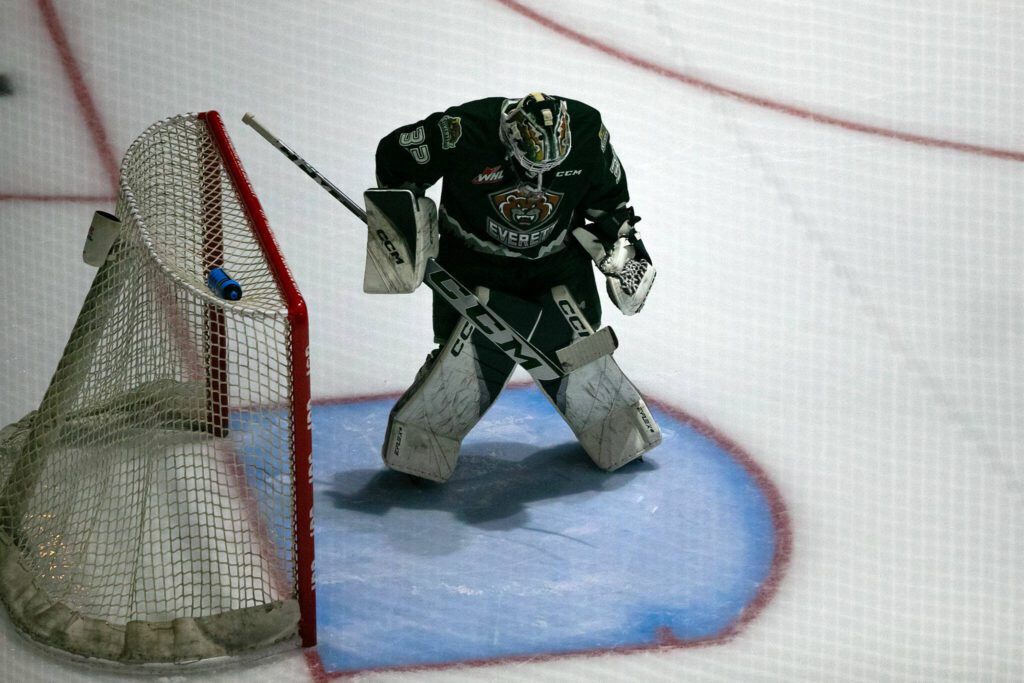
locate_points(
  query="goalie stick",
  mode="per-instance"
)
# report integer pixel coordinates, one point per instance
(468, 305)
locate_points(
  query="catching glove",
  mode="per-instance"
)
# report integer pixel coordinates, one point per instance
(629, 277)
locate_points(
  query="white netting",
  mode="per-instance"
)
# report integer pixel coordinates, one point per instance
(843, 301)
(147, 504)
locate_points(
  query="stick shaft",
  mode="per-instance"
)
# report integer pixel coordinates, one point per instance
(323, 182)
(469, 306)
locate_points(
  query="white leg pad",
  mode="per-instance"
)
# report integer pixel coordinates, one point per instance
(600, 405)
(420, 452)
(607, 414)
(448, 398)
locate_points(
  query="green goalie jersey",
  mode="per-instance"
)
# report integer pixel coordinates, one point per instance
(488, 205)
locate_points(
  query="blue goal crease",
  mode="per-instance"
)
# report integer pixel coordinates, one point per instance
(529, 550)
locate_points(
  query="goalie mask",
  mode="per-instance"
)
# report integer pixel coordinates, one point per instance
(536, 132)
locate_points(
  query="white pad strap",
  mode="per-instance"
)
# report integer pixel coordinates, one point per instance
(401, 236)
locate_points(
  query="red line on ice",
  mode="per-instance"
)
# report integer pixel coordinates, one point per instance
(83, 96)
(755, 100)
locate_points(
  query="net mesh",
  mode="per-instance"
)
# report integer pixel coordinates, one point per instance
(154, 482)
(842, 302)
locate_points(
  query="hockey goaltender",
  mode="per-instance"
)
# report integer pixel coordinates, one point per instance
(532, 196)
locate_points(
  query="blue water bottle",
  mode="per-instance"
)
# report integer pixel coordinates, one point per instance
(221, 284)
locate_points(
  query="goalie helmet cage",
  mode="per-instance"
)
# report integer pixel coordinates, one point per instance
(157, 506)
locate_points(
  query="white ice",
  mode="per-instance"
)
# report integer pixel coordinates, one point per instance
(845, 304)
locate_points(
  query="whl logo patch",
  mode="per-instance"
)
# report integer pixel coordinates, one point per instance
(491, 174)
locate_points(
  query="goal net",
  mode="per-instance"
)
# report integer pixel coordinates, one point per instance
(156, 506)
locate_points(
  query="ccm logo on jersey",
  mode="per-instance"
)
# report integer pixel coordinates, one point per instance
(569, 172)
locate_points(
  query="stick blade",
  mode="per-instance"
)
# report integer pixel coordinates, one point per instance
(588, 349)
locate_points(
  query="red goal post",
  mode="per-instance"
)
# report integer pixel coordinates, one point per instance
(302, 432)
(157, 506)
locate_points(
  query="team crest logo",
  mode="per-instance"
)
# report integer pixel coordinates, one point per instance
(526, 210)
(451, 131)
(527, 217)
